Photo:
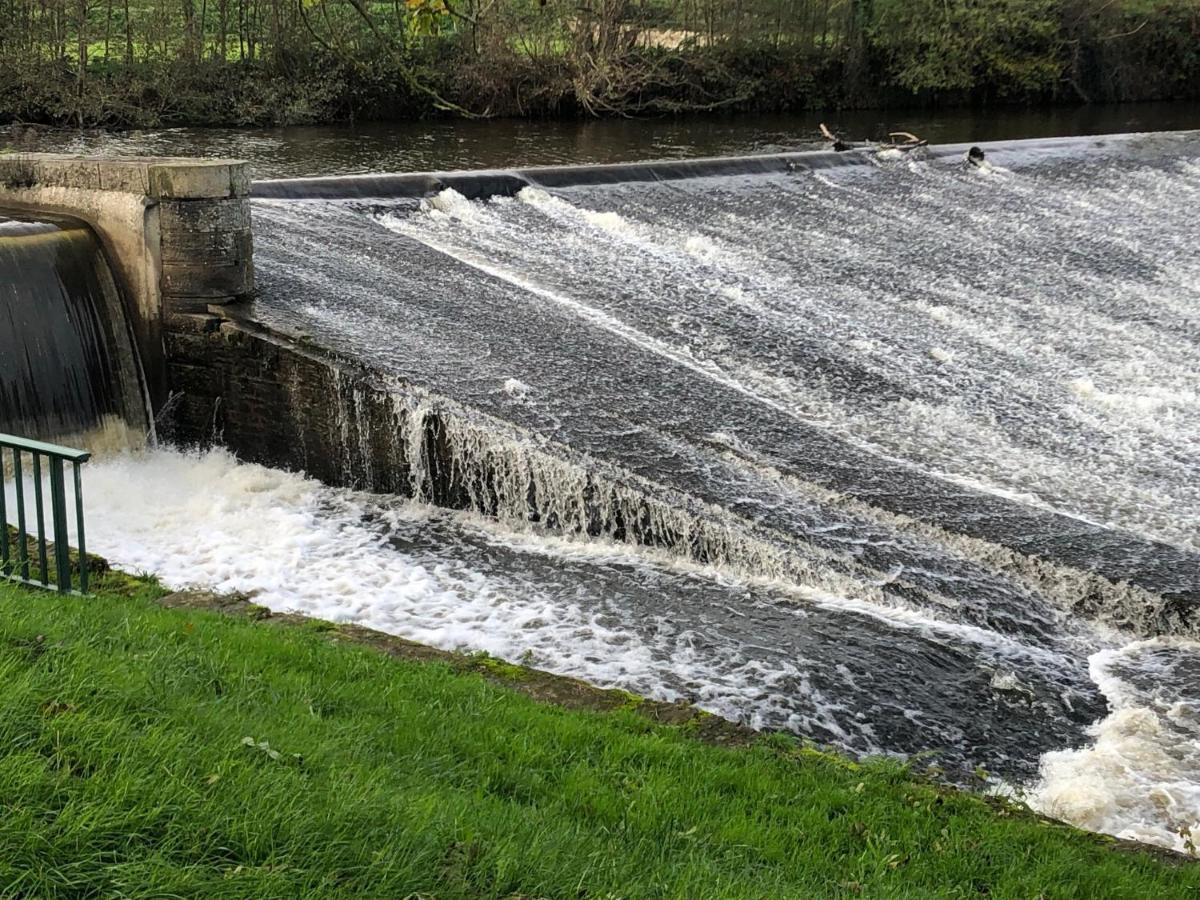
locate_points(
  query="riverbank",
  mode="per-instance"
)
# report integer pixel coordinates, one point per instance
(152, 750)
(707, 86)
(143, 66)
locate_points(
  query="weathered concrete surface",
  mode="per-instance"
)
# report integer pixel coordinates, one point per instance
(270, 401)
(176, 231)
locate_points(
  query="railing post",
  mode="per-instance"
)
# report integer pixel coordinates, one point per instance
(3, 519)
(22, 537)
(62, 539)
(40, 514)
(83, 558)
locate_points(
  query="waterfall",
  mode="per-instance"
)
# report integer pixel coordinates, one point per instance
(68, 369)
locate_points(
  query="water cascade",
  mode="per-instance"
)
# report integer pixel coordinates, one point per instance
(942, 416)
(892, 454)
(784, 348)
(68, 370)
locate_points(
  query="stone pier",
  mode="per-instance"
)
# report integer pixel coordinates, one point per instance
(176, 232)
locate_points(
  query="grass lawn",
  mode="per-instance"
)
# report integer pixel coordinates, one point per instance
(179, 753)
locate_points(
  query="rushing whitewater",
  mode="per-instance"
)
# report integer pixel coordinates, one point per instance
(900, 457)
(1033, 334)
(1139, 779)
(957, 406)
(915, 336)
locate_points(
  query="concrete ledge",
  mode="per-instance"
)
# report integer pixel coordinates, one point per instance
(160, 178)
(198, 180)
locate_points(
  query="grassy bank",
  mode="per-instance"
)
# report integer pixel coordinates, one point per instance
(147, 751)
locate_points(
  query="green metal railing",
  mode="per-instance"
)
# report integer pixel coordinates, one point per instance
(15, 562)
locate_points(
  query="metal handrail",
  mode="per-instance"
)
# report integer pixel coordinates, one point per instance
(18, 567)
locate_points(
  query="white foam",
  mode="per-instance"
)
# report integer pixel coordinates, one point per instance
(607, 221)
(516, 388)
(1140, 778)
(1072, 380)
(450, 204)
(205, 520)
(701, 246)
(208, 521)
(1156, 399)
(985, 169)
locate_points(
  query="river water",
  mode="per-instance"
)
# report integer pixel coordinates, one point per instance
(444, 145)
(916, 400)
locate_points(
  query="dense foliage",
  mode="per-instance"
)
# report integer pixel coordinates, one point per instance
(131, 62)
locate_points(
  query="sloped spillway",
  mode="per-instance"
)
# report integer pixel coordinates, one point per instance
(67, 364)
(910, 392)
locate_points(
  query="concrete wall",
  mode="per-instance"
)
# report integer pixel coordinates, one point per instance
(176, 231)
(293, 407)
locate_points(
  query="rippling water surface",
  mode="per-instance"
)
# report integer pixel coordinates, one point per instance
(452, 144)
(947, 422)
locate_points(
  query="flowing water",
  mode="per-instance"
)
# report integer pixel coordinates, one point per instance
(68, 368)
(451, 144)
(1088, 724)
(898, 456)
(907, 392)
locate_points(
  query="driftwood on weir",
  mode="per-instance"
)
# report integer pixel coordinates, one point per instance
(897, 140)
(903, 140)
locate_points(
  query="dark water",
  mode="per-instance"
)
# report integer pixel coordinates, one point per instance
(425, 146)
(58, 372)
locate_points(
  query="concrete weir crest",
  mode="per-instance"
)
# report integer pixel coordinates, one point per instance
(176, 231)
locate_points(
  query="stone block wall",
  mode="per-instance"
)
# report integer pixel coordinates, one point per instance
(274, 402)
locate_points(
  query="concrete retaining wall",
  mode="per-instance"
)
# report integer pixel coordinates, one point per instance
(176, 231)
(272, 402)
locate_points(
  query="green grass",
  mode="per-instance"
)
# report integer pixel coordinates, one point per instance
(125, 771)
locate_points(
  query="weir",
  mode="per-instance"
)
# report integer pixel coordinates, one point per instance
(885, 451)
(629, 318)
(353, 425)
(476, 185)
(417, 423)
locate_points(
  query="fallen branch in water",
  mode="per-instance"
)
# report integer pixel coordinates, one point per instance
(897, 140)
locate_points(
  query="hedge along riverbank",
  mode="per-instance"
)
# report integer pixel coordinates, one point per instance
(142, 63)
